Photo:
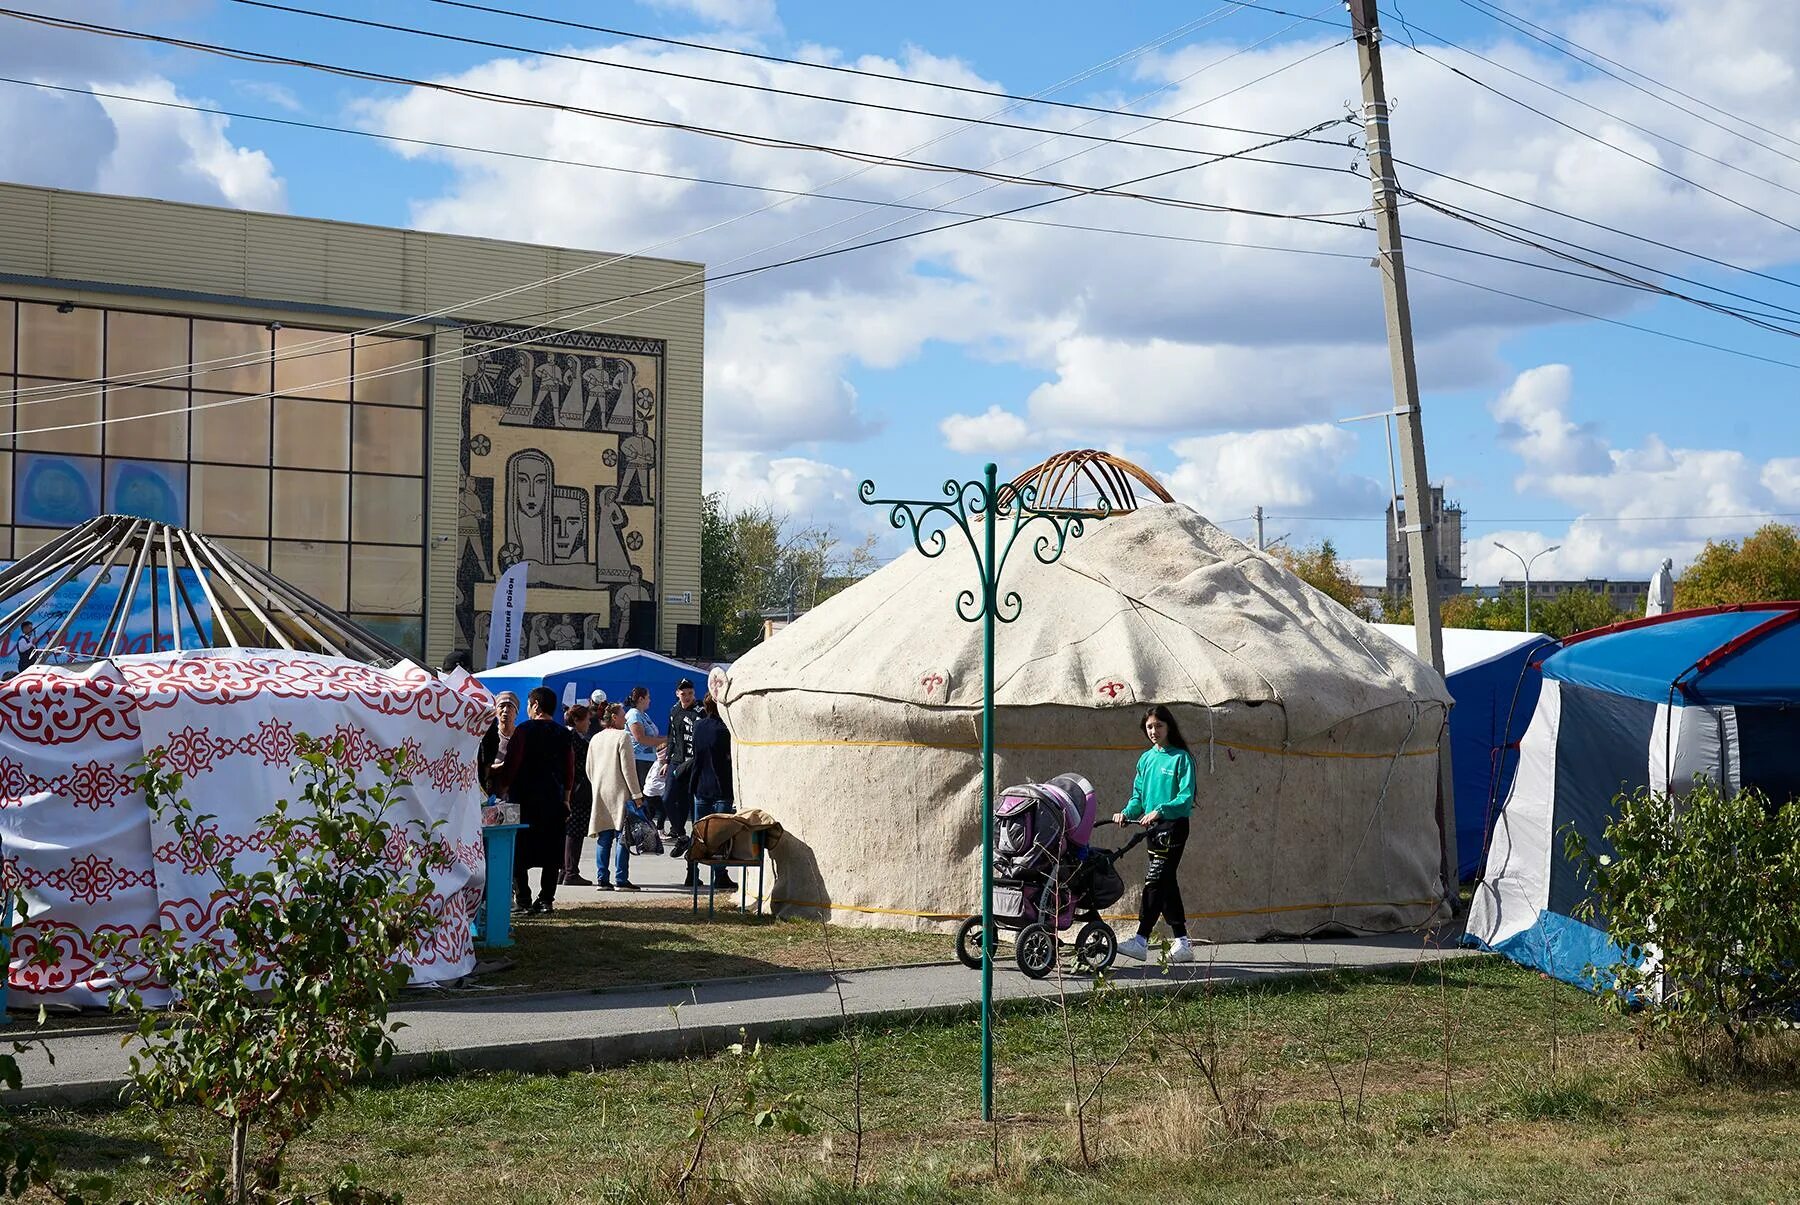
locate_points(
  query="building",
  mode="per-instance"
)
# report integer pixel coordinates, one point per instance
(386, 418)
(1626, 597)
(1447, 521)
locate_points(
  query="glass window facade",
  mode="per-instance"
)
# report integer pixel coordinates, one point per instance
(324, 485)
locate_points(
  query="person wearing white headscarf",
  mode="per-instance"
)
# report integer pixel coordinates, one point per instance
(493, 743)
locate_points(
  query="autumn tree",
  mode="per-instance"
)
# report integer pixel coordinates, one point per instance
(1320, 567)
(1764, 568)
(757, 560)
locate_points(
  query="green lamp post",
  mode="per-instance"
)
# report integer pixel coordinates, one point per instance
(963, 504)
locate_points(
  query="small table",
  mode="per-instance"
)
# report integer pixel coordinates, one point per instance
(760, 845)
(493, 927)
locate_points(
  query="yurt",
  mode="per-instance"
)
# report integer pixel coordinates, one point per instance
(134, 635)
(1650, 703)
(858, 728)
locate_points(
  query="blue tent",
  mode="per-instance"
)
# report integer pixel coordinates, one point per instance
(1651, 703)
(575, 673)
(1494, 696)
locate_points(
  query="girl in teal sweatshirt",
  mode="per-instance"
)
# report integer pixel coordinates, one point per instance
(1162, 799)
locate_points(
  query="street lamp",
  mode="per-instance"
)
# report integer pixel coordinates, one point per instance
(1534, 556)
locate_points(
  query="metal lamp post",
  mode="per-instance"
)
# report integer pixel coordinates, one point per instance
(980, 501)
(1534, 556)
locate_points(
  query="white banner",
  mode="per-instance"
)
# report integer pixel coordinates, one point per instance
(507, 626)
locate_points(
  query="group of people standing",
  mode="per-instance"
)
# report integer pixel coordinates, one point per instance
(604, 768)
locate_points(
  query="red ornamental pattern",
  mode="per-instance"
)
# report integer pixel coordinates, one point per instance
(76, 959)
(42, 707)
(86, 880)
(223, 680)
(93, 784)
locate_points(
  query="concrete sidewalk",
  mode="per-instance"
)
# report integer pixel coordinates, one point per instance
(565, 1031)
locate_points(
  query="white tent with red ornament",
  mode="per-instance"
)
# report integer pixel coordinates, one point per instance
(79, 842)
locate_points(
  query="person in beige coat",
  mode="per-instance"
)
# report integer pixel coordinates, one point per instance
(618, 797)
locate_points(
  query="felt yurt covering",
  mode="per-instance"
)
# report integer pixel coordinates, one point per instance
(1315, 740)
(79, 840)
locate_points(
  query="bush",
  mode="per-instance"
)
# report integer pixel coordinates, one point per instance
(1702, 893)
(269, 1029)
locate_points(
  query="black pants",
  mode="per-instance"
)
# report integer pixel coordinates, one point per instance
(1162, 892)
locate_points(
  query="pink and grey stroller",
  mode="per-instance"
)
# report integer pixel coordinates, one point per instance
(1047, 876)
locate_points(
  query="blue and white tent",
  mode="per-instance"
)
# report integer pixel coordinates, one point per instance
(1648, 703)
(574, 674)
(1494, 695)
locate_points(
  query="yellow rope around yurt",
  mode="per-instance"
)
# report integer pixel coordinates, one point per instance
(869, 909)
(1134, 748)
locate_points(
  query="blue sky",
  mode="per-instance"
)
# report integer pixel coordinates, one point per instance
(1223, 369)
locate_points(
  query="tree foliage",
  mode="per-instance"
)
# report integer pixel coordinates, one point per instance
(1709, 882)
(1567, 613)
(269, 1029)
(756, 560)
(1764, 568)
(1320, 567)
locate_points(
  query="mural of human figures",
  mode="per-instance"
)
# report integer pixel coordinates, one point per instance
(560, 462)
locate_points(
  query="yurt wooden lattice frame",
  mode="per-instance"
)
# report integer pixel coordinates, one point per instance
(1058, 484)
(188, 576)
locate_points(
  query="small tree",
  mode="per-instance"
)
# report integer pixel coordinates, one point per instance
(1708, 883)
(271, 1027)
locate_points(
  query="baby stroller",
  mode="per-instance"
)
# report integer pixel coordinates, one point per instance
(1047, 876)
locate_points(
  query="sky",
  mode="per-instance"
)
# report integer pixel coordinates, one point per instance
(1218, 348)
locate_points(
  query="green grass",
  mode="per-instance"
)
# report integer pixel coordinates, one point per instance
(1498, 1122)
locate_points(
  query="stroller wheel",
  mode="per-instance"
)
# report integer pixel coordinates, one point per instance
(968, 943)
(1035, 950)
(1096, 945)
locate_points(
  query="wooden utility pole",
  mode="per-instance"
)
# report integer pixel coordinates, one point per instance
(1419, 529)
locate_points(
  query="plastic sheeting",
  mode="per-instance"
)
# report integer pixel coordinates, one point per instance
(1314, 738)
(78, 838)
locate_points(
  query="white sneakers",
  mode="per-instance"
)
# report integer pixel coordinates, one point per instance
(1136, 947)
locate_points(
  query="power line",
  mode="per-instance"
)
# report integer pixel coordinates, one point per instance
(1642, 238)
(606, 261)
(1630, 326)
(1518, 23)
(525, 335)
(746, 85)
(763, 141)
(1774, 514)
(713, 181)
(1595, 138)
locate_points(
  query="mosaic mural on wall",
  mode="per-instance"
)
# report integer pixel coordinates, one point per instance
(559, 470)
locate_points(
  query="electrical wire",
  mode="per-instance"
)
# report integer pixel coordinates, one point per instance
(1466, 520)
(62, 390)
(746, 85)
(1630, 326)
(1562, 43)
(522, 336)
(1595, 138)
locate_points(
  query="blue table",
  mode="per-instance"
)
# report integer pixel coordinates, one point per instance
(493, 927)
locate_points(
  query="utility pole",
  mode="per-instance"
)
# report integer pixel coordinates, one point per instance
(1419, 530)
(1259, 529)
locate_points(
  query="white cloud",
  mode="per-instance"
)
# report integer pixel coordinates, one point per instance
(1139, 338)
(1534, 423)
(740, 14)
(181, 155)
(1635, 505)
(810, 490)
(1293, 469)
(993, 432)
(279, 95)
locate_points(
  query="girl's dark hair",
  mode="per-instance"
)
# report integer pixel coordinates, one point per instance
(1174, 739)
(711, 705)
(639, 692)
(575, 714)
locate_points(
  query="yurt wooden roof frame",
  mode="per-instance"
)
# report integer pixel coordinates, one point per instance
(245, 600)
(1057, 481)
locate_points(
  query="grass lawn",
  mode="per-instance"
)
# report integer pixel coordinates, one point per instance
(611, 945)
(1485, 1083)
